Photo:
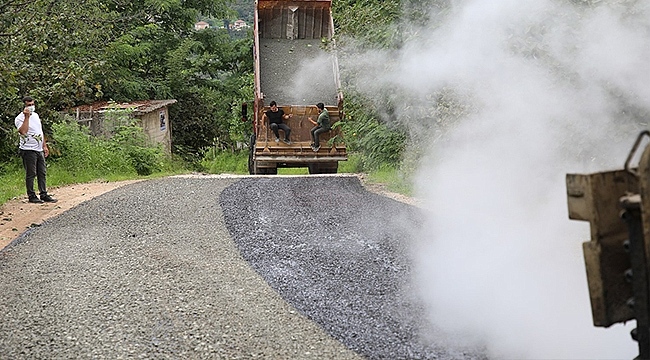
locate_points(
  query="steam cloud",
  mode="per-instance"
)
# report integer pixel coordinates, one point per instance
(506, 97)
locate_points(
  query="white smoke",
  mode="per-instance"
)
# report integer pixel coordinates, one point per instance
(548, 88)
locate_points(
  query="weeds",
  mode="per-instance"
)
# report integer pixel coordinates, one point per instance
(78, 157)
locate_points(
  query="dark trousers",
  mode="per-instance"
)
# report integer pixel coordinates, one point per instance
(284, 127)
(34, 163)
(315, 132)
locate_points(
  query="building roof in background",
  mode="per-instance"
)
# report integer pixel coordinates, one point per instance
(201, 25)
(138, 107)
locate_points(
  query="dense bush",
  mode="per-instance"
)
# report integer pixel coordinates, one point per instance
(377, 142)
(76, 151)
(127, 152)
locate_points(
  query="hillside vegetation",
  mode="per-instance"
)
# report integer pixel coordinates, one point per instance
(66, 53)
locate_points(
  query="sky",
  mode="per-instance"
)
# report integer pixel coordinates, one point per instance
(515, 95)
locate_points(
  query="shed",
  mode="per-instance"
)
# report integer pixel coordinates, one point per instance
(152, 115)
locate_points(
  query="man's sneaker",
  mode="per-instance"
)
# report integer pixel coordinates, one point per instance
(277, 139)
(48, 198)
(35, 200)
(287, 141)
(316, 148)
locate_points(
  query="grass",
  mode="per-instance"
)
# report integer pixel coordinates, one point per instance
(394, 179)
(351, 166)
(219, 162)
(78, 158)
(13, 185)
(12, 175)
(12, 179)
(293, 171)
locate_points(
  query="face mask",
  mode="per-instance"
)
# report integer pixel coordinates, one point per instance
(32, 108)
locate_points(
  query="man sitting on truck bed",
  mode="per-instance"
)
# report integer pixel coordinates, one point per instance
(275, 116)
(322, 125)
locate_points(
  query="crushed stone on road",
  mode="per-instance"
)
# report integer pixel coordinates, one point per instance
(340, 255)
(223, 268)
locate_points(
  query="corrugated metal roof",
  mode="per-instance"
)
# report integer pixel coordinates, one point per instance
(139, 107)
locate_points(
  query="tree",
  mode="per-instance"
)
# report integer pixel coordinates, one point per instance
(48, 50)
(212, 75)
(65, 53)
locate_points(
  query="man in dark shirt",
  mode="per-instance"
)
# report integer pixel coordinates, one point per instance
(275, 117)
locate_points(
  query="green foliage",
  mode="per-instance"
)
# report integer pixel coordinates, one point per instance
(130, 139)
(376, 142)
(353, 165)
(65, 53)
(211, 75)
(293, 171)
(245, 10)
(372, 134)
(384, 24)
(370, 22)
(132, 67)
(12, 180)
(145, 159)
(375, 129)
(75, 157)
(126, 152)
(217, 161)
(395, 179)
(78, 152)
(48, 50)
(78, 157)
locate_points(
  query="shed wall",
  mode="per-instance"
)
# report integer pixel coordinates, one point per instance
(157, 127)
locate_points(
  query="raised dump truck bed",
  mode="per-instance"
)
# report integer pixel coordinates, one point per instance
(294, 68)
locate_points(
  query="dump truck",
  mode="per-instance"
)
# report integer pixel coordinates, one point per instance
(617, 206)
(296, 67)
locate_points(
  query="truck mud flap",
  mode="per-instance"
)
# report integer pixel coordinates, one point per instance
(324, 168)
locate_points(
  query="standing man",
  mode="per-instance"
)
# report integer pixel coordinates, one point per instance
(322, 125)
(275, 117)
(33, 150)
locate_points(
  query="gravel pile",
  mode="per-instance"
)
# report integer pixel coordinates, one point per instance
(340, 255)
(146, 271)
(150, 271)
(296, 72)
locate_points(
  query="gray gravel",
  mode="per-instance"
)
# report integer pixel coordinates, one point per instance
(150, 271)
(296, 72)
(146, 271)
(340, 255)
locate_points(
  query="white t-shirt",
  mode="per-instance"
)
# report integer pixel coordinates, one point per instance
(33, 140)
